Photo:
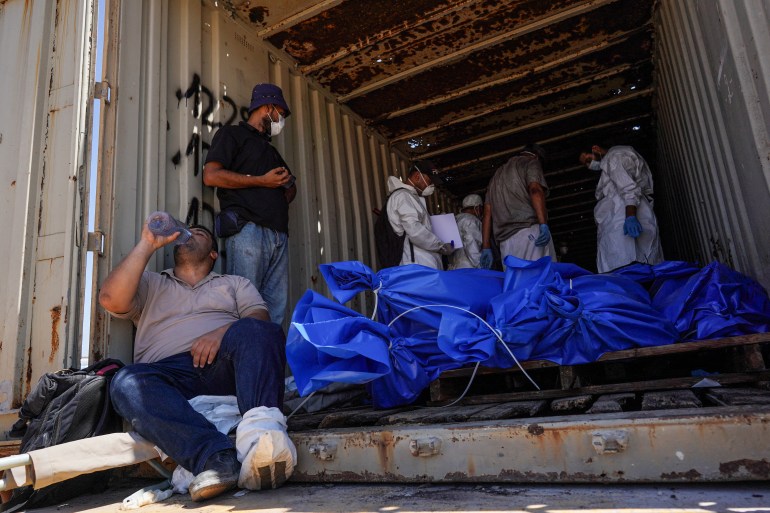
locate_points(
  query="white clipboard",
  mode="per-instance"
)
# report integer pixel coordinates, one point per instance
(444, 226)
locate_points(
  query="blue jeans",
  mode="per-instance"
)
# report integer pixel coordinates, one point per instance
(153, 397)
(262, 256)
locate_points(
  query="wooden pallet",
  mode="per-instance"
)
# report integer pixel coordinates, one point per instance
(742, 381)
(734, 359)
(503, 407)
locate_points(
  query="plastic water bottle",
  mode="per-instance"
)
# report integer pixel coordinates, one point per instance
(163, 224)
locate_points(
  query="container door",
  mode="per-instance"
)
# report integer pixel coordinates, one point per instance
(46, 51)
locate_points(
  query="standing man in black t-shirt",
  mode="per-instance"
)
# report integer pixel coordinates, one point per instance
(254, 187)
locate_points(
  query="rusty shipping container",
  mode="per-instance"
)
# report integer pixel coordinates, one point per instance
(373, 84)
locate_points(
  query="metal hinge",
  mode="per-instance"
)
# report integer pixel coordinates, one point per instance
(102, 91)
(424, 447)
(611, 441)
(95, 242)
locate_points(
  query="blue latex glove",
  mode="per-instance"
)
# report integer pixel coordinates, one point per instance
(485, 262)
(544, 237)
(632, 227)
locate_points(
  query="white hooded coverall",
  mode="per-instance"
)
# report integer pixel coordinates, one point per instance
(408, 214)
(625, 180)
(469, 255)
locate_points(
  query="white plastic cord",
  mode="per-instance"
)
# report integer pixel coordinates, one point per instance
(468, 387)
(496, 332)
(376, 299)
(475, 369)
(301, 405)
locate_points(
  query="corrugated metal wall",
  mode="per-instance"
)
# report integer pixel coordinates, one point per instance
(45, 51)
(195, 67)
(713, 110)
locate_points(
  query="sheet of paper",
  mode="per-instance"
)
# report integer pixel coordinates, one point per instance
(445, 228)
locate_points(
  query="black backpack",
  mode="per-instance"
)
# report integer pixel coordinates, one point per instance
(64, 406)
(389, 245)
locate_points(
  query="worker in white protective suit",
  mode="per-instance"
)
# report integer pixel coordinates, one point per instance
(627, 230)
(469, 226)
(408, 214)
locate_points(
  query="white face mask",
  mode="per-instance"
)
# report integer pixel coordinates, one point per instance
(276, 126)
(595, 165)
(429, 188)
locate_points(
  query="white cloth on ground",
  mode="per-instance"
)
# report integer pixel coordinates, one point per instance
(220, 410)
(266, 452)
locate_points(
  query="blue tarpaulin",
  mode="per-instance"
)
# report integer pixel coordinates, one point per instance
(653, 276)
(415, 291)
(329, 343)
(541, 310)
(403, 288)
(713, 302)
(540, 315)
(704, 302)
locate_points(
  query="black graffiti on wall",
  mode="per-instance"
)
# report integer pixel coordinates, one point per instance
(192, 211)
(203, 103)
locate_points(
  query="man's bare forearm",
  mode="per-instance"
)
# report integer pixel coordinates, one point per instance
(119, 288)
(226, 179)
(215, 175)
(537, 197)
(486, 228)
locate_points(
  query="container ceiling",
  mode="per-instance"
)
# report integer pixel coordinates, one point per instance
(467, 83)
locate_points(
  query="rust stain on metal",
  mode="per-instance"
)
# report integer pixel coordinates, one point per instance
(97, 342)
(525, 52)
(528, 476)
(456, 476)
(437, 39)
(40, 208)
(533, 86)
(535, 429)
(759, 468)
(28, 373)
(690, 475)
(258, 14)
(55, 319)
(384, 444)
(345, 24)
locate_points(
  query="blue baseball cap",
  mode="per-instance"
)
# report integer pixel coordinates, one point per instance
(268, 94)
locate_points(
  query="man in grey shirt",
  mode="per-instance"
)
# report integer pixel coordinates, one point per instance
(515, 209)
(198, 333)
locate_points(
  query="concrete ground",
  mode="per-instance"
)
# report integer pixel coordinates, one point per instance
(401, 498)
